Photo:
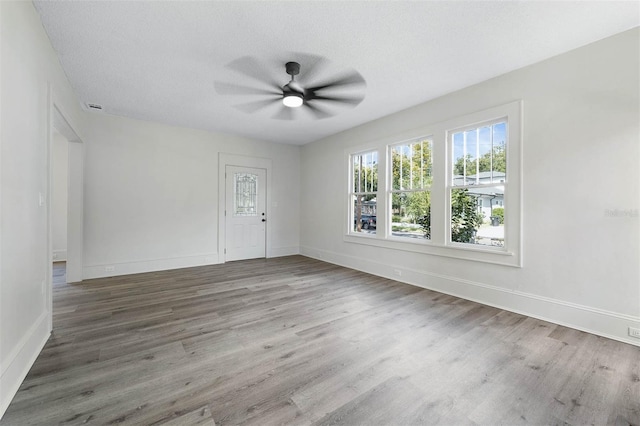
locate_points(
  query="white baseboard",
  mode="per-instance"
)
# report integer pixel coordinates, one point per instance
(585, 318)
(154, 265)
(284, 251)
(15, 368)
(126, 268)
(59, 255)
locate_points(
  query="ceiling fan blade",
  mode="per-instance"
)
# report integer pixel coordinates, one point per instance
(310, 67)
(252, 68)
(251, 107)
(318, 113)
(236, 89)
(353, 78)
(340, 99)
(285, 113)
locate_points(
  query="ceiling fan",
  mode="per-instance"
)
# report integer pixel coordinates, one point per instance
(303, 91)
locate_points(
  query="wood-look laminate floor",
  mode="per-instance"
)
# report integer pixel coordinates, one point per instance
(297, 341)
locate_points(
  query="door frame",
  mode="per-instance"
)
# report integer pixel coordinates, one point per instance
(58, 119)
(224, 160)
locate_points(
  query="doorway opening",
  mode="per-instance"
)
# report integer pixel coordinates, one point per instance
(65, 203)
(59, 204)
(66, 174)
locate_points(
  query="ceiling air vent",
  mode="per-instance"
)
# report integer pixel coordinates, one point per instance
(94, 107)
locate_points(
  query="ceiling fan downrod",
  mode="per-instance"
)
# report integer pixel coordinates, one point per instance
(291, 97)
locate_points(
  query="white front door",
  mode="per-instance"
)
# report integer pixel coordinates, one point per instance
(246, 207)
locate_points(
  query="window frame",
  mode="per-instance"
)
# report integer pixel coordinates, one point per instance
(450, 186)
(352, 192)
(389, 190)
(439, 244)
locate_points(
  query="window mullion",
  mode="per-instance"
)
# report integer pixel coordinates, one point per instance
(401, 184)
(477, 155)
(464, 157)
(411, 166)
(491, 156)
(421, 164)
(360, 174)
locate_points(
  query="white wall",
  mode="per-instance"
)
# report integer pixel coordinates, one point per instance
(151, 195)
(580, 159)
(59, 195)
(30, 77)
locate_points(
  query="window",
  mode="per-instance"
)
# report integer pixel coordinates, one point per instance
(411, 177)
(455, 193)
(479, 173)
(364, 187)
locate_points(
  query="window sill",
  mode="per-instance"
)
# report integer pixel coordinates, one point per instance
(484, 254)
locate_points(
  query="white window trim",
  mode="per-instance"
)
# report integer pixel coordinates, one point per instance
(351, 220)
(389, 189)
(511, 253)
(450, 186)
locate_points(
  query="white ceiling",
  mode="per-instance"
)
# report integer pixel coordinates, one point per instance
(159, 60)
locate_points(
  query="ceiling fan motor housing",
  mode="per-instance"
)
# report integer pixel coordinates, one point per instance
(293, 68)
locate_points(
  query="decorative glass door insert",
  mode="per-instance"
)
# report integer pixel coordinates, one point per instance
(245, 194)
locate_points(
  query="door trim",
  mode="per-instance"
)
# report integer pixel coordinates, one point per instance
(224, 160)
(59, 119)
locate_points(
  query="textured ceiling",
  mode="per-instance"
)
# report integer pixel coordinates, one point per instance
(161, 60)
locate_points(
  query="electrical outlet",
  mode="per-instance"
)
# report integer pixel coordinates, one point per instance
(634, 332)
(109, 268)
(397, 272)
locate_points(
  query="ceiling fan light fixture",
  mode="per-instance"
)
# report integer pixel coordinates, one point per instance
(292, 99)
